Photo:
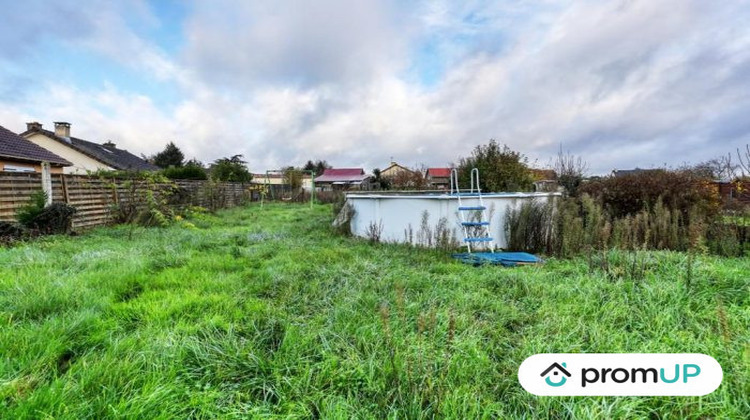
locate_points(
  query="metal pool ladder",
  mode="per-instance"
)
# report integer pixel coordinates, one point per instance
(477, 229)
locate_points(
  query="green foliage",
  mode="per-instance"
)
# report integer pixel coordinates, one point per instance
(265, 313)
(54, 219)
(575, 226)
(191, 170)
(231, 169)
(171, 156)
(500, 169)
(29, 212)
(678, 190)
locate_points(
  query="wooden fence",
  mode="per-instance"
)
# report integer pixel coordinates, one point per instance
(95, 198)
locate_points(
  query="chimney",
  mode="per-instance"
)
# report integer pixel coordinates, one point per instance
(33, 126)
(62, 129)
(110, 144)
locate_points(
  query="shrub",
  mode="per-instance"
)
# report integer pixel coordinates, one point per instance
(679, 190)
(189, 171)
(28, 213)
(528, 227)
(54, 219)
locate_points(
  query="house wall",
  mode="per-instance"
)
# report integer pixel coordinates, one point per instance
(81, 163)
(37, 167)
(392, 171)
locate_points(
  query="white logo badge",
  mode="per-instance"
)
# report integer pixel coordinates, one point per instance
(622, 374)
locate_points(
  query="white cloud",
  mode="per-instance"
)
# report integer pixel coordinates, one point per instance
(623, 83)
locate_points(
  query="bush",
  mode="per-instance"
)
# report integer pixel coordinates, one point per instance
(679, 190)
(189, 171)
(10, 232)
(28, 213)
(53, 219)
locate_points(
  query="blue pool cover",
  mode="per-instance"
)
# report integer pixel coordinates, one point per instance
(506, 259)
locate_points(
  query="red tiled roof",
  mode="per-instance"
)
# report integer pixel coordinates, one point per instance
(344, 172)
(343, 175)
(439, 172)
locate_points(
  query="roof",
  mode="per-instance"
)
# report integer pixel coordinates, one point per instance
(439, 172)
(556, 366)
(108, 154)
(627, 172)
(15, 147)
(395, 167)
(343, 175)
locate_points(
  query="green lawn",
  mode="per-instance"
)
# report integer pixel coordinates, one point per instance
(265, 312)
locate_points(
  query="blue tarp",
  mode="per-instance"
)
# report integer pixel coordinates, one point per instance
(506, 259)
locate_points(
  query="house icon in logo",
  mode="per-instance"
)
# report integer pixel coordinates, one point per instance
(555, 370)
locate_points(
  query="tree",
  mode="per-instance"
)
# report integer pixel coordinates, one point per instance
(170, 156)
(293, 178)
(192, 169)
(570, 171)
(318, 166)
(232, 169)
(500, 168)
(384, 183)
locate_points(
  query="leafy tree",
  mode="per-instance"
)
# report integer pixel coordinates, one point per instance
(193, 169)
(293, 177)
(318, 166)
(500, 168)
(170, 156)
(231, 169)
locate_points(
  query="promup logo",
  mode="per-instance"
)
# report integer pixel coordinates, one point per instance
(620, 374)
(557, 371)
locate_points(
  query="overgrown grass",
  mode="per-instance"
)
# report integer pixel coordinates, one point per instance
(266, 312)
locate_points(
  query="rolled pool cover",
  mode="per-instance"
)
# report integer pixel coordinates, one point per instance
(506, 259)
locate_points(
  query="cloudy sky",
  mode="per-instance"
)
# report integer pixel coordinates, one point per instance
(622, 83)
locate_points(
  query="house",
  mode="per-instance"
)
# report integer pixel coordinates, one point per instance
(278, 178)
(393, 170)
(85, 156)
(438, 178)
(343, 179)
(20, 155)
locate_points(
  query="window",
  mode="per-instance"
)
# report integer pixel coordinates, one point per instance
(18, 168)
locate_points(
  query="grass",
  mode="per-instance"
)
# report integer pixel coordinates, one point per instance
(265, 312)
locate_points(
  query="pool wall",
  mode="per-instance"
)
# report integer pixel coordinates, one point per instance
(398, 217)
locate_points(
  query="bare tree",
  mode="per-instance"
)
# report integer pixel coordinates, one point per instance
(570, 171)
(744, 158)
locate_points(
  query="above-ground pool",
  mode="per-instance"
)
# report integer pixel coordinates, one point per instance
(413, 217)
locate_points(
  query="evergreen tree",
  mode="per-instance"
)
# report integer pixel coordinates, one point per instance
(171, 156)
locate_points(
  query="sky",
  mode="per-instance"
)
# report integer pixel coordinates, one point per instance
(623, 84)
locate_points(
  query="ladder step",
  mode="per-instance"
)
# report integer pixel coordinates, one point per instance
(475, 223)
(473, 208)
(478, 240)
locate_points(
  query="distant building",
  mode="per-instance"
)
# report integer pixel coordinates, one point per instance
(438, 178)
(625, 172)
(84, 155)
(393, 170)
(343, 179)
